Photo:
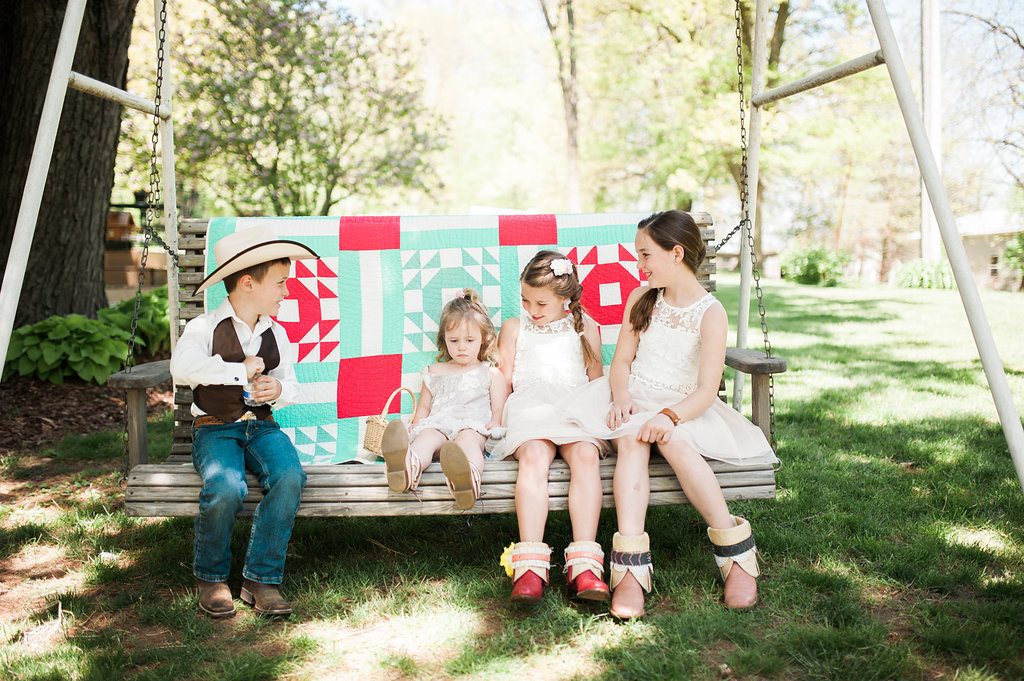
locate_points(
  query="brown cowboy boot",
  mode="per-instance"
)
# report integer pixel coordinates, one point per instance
(266, 599)
(215, 599)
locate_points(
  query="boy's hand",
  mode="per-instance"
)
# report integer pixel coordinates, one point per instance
(253, 366)
(267, 388)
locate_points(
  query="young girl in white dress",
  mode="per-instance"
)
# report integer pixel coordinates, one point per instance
(662, 390)
(459, 406)
(546, 353)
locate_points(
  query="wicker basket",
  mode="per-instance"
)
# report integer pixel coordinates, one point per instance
(375, 425)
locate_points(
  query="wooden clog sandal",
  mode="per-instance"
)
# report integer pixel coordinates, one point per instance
(631, 554)
(584, 567)
(401, 466)
(735, 546)
(462, 476)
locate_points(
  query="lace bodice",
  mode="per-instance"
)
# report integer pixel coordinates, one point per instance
(548, 354)
(668, 354)
(458, 400)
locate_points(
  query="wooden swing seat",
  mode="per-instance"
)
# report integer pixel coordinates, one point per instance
(172, 488)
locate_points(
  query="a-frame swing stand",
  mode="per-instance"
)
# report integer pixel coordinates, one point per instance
(63, 77)
(888, 54)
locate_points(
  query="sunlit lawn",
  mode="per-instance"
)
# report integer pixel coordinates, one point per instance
(892, 551)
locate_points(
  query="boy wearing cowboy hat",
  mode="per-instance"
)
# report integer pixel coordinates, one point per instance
(218, 354)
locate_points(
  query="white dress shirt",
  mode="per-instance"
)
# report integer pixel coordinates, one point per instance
(194, 363)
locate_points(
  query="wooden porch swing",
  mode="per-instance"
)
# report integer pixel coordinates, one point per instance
(172, 488)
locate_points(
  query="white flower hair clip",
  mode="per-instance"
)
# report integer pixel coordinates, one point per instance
(460, 294)
(561, 266)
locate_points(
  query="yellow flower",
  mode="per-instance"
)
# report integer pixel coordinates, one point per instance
(506, 559)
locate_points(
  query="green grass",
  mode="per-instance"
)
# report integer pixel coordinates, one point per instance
(893, 551)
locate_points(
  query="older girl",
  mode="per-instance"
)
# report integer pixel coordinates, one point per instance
(662, 392)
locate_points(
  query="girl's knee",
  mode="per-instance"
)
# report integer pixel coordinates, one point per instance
(533, 459)
(584, 461)
(632, 449)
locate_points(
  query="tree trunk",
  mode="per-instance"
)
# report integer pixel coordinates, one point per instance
(65, 266)
(566, 56)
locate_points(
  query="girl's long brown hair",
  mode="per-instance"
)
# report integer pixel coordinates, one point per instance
(668, 229)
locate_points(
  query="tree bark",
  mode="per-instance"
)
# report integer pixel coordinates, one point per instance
(566, 56)
(65, 266)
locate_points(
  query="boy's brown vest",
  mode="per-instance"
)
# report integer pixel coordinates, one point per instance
(225, 401)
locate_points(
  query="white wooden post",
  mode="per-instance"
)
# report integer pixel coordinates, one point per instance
(990, 360)
(170, 188)
(760, 65)
(39, 166)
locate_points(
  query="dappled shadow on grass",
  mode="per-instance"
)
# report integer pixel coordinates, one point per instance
(891, 552)
(788, 310)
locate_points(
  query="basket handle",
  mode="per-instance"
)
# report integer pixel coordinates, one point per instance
(387, 405)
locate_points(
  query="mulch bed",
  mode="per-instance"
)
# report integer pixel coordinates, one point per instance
(36, 413)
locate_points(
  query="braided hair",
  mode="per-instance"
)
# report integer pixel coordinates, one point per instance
(539, 274)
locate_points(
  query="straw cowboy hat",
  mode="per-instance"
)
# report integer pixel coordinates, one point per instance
(247, 247)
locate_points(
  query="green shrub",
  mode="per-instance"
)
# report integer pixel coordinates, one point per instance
(58, 347)
(153, 331)
(813, 265)
(92, 349)
(922, 274)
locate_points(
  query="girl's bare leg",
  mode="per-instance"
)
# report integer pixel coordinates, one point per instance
(632, 486)
(535, 457)
(426, 446)
(472, 444)
(702, 489)
(584, 488)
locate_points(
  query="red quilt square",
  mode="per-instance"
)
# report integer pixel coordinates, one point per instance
(527, 230)
(369, 233)
(365, 383)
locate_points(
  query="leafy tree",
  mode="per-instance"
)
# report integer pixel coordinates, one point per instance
(288, 107)
(560, 18)
(65, 266)
(1007, 66)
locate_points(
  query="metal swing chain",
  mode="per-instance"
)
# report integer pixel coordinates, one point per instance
(152, 200)
(745, 222)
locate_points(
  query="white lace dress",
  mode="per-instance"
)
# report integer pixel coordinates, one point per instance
(460, 401)
(663, 372)
(548, 367)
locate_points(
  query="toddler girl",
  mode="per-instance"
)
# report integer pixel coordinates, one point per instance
(546, 353)
(461, 399)
(662, 390)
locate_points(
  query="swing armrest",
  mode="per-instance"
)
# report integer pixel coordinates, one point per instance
(753, 362)
(760, 368)
(135, 383)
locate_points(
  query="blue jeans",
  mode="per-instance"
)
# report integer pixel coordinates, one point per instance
(221, 454)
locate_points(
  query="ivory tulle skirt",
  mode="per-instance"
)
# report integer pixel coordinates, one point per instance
(719, 433)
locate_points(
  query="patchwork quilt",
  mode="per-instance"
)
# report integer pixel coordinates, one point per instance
(364, 316)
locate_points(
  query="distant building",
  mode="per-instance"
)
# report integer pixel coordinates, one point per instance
(985, 235)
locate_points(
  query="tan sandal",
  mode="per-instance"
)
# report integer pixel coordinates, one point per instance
(401, 466)
(735, 546)
(462, 476)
